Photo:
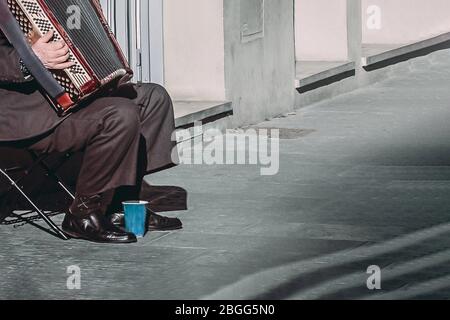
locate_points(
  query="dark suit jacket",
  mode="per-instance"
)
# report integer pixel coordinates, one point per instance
(24, 111)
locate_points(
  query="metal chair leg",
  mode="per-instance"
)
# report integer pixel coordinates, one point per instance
(47, 220)
(52, 174)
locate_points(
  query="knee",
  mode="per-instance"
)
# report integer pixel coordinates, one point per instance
(161, 93)
(124, 116)
(158, 93)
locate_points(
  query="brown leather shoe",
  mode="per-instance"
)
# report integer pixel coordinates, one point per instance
(87, 221)
(95, 228)
(155, 222)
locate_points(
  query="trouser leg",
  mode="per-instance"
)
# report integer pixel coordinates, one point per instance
(157, 149)
(157, 124)
(122, 139)
(108, 133)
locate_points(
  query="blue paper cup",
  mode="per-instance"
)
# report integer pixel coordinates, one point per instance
(135, 217)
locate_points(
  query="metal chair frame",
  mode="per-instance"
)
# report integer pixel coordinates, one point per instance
(15, 184)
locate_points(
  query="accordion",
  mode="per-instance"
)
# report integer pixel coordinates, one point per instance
(98, 59)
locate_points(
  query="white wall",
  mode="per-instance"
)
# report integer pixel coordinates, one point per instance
(321, 30)
(404, 21)
(194, 49)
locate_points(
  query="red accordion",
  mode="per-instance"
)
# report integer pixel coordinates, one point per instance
(98, 59)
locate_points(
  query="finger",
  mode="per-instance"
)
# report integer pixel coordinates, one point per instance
(62, 66)
(56, 54)
(58, 45)
(62, 52)
(47, 37)
(60, 59)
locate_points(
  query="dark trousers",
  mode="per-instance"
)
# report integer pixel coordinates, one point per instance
(123, 137)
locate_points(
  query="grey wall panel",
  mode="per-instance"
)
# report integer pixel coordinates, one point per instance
(156, 44)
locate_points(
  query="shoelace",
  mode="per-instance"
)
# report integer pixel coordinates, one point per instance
(86, 202)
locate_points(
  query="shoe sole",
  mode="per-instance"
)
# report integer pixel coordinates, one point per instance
(77, 237)
(154, 229)
(165, 229)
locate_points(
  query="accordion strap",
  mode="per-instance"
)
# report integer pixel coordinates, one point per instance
(10, 27)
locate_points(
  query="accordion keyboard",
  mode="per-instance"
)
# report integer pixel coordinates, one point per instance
(90, 43)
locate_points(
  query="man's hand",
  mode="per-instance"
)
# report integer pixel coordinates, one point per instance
(54, 55)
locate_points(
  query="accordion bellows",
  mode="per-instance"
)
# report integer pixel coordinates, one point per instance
(94, 50)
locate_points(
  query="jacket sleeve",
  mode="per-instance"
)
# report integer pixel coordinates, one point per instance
(10, 71)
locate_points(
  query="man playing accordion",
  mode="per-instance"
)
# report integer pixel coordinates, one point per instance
(123, 135)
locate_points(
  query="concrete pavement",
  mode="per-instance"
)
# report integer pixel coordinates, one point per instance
(367, 184)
